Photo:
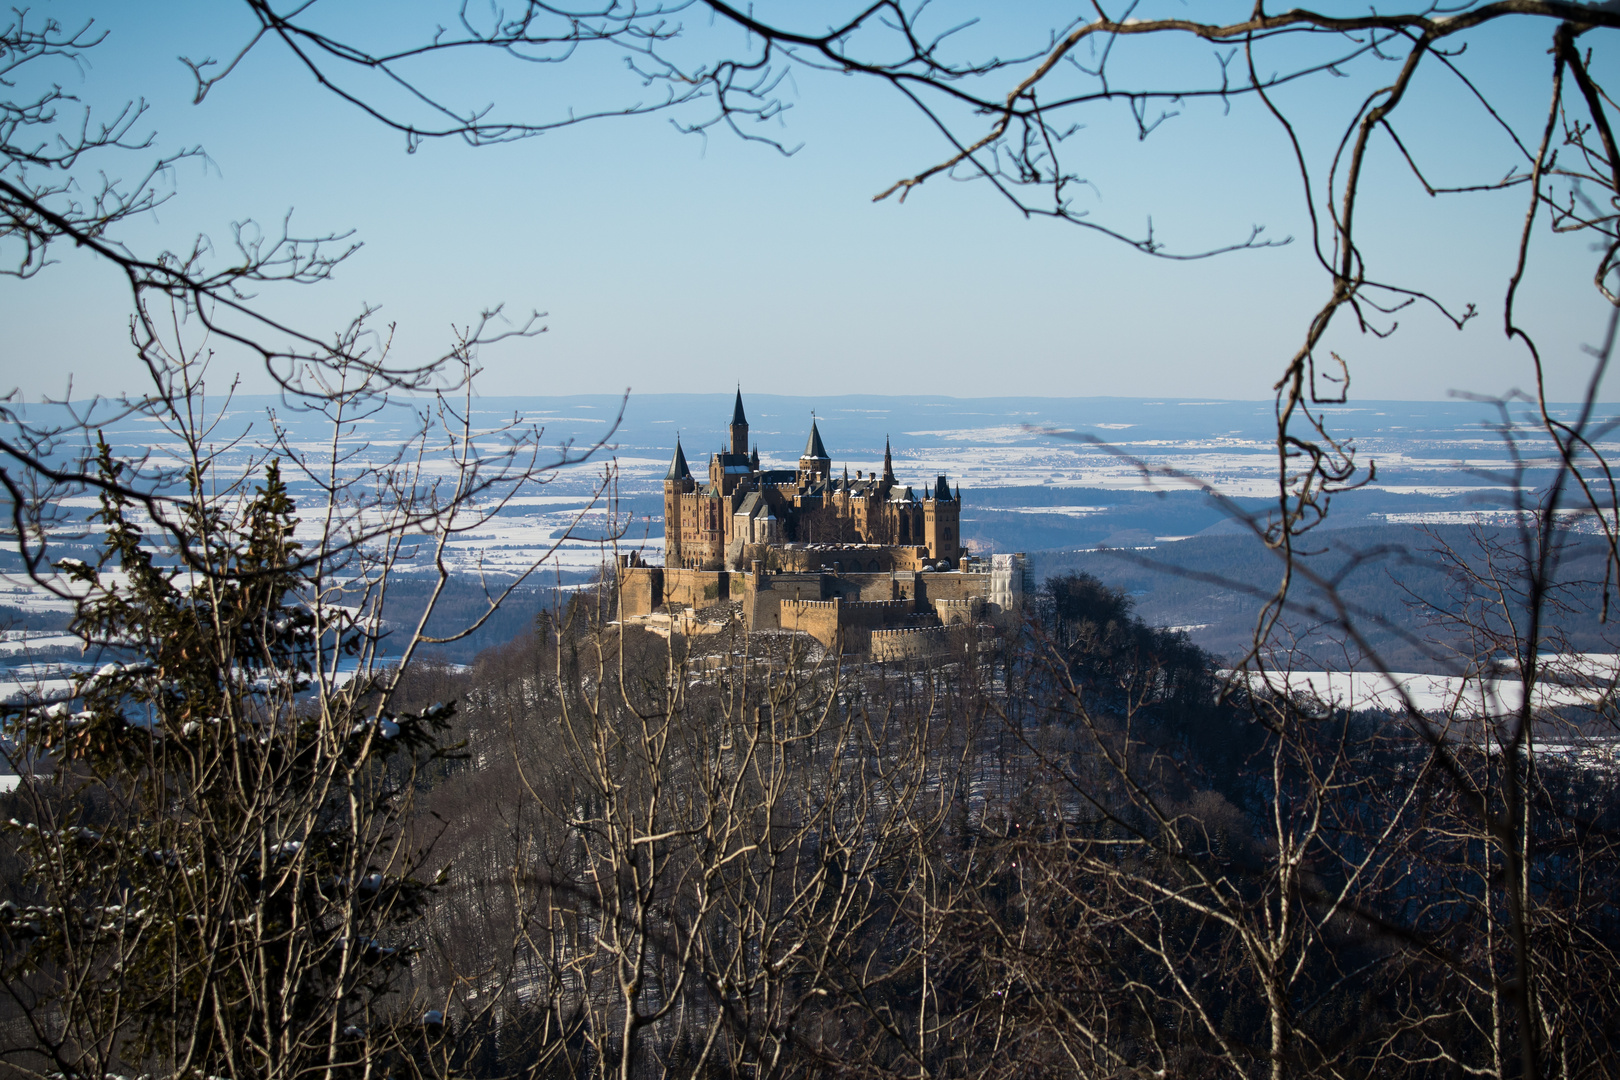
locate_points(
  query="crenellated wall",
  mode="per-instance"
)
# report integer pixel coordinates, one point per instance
(951, 586)
(850, 611)
(696, 588)
(860, 586)
(842, 558)
(875, 614)
(762, 595)
(969, 610)
(909, 644)
(818, 618)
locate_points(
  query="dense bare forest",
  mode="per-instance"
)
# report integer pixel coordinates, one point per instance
(1056, 853)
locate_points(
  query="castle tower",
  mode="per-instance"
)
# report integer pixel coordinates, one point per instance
(814, 463)
(942, 523)
(888, 466)
(677, 482)
(739, 427)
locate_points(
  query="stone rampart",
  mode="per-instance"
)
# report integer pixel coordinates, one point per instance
(919, 643)
(880, 586)
(763, 593)
(875, 614)
(952, 585)
(968, 610)
(818, 618)
(844, 558)
(641, 589)
(696, 588)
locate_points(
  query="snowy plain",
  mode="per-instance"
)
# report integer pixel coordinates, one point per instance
(1056, 461)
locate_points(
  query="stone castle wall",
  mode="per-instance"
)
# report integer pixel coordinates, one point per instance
(874, 614)
(860, 586)
(763, 595)
(839, 558)
(969, 610)
(645, 589)
(641, 589)
(818, 618)
(696, 588)
(920, 643)
(850, 610)
(952, 586)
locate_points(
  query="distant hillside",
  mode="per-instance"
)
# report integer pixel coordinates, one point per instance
(1050, 517)
(1214, 586)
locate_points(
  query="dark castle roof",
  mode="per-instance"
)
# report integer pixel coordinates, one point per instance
(677, 467)
(737, 416)
(813, 448)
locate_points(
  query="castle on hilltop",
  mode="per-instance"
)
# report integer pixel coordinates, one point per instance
(862, 564)
(872, 522)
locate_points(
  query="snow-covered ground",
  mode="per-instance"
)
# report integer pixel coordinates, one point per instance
(1440, 449)
(1566, 680)
(18, 643)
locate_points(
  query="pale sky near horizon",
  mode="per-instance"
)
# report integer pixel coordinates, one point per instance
(673, 263)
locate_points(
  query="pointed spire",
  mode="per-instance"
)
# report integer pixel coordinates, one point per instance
(813, 447)
(942, 491)
(739, 427)
(677, 466)
(753, 459)
(888, 461)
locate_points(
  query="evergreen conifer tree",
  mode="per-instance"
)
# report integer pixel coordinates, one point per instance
(219, 877)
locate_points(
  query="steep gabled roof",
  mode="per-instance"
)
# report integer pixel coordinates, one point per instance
(677, 466)
(737, 416)
(813, 447)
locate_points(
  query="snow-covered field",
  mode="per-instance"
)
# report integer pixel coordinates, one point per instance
(1565, 679)
(1431, 694)
(21, 643)
(1442, 450)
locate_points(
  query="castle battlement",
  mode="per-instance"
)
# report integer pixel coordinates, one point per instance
(909, 643)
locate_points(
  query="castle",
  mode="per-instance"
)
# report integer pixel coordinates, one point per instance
(873, 522)
(863, 565)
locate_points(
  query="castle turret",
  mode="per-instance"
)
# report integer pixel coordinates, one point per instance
(678, 469)
(815, 463)
(942, 522)
(677, 482)
(739, 427)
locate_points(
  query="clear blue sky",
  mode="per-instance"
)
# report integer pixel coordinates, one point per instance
(669, 262)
